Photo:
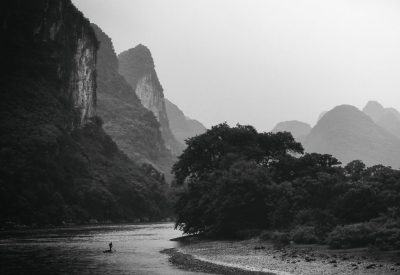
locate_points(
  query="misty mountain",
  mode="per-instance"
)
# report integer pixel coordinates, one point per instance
(182, 127)
(298, 129)
(374, 110)
(321, 115)
(137, 66)
(134, 128)
(349, 134)
(387, 118)
(57, 163)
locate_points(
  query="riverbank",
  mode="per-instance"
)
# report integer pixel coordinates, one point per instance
(259, 257)
(189, 263)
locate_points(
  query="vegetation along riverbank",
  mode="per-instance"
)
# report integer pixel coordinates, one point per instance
(237, 183)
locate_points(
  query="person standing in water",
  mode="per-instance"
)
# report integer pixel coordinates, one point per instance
(110, 245)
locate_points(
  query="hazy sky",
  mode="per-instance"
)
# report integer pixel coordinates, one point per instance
(261, 62)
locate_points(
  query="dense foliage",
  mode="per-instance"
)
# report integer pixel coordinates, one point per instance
(234, 179)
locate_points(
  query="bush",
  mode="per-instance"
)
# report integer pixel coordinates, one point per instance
(321, 220)
(247, 234)
(280, 238)
(352, 235)
(387, 238)
(265, 235)
(304, 235)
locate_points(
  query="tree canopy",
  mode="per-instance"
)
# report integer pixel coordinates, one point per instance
(222, 145)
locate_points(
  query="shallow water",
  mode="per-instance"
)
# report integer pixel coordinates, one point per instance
(79, 250)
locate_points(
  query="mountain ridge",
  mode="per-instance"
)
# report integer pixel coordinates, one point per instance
(387, 118)
(349, 134)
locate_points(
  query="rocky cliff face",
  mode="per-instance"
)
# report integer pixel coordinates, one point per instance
(137, 66)
(82, 81)
(56, 23)
(56, 162)
(182, 127)
(134, 128)
(349, 134)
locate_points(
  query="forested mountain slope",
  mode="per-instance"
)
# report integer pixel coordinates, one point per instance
(56, 162)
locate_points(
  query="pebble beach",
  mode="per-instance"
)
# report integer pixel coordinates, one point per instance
(260, 257)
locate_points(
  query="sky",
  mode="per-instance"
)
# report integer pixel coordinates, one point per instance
(260, 62)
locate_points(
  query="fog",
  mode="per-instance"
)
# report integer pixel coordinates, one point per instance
(261, 62)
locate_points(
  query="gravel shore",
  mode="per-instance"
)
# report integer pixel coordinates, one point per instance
(190, 263)
(257, 257)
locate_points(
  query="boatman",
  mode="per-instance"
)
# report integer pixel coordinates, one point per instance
(110, 245)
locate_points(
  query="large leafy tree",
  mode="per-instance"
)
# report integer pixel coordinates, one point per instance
(222, 145)
(226, 176)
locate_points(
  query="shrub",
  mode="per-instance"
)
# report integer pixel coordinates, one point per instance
(352, 235)
(247, 234)
(280, 239)
(321, 220)
(265, 235)
(387, 238)
(304, 235)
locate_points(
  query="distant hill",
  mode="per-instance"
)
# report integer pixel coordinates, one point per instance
(387, 118)
(374, 110)
(182, 127)
(298, 129)
(349, 134)
(321, 115)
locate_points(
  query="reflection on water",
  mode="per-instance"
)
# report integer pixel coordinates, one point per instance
(79, 250)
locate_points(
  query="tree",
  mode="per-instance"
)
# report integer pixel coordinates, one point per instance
(222, 145)
(354, 170)
(359, 204)
(227, 201)
(226, 172)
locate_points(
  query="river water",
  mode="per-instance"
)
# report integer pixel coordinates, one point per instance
(79, 250)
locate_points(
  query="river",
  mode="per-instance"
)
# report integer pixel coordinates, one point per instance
(79, 250)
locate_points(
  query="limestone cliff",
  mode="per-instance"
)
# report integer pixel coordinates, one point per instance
(56, 163)
(137, 66)
(134, 128)
(56, 22)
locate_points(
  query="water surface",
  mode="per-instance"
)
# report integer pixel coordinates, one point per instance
(79, 250)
